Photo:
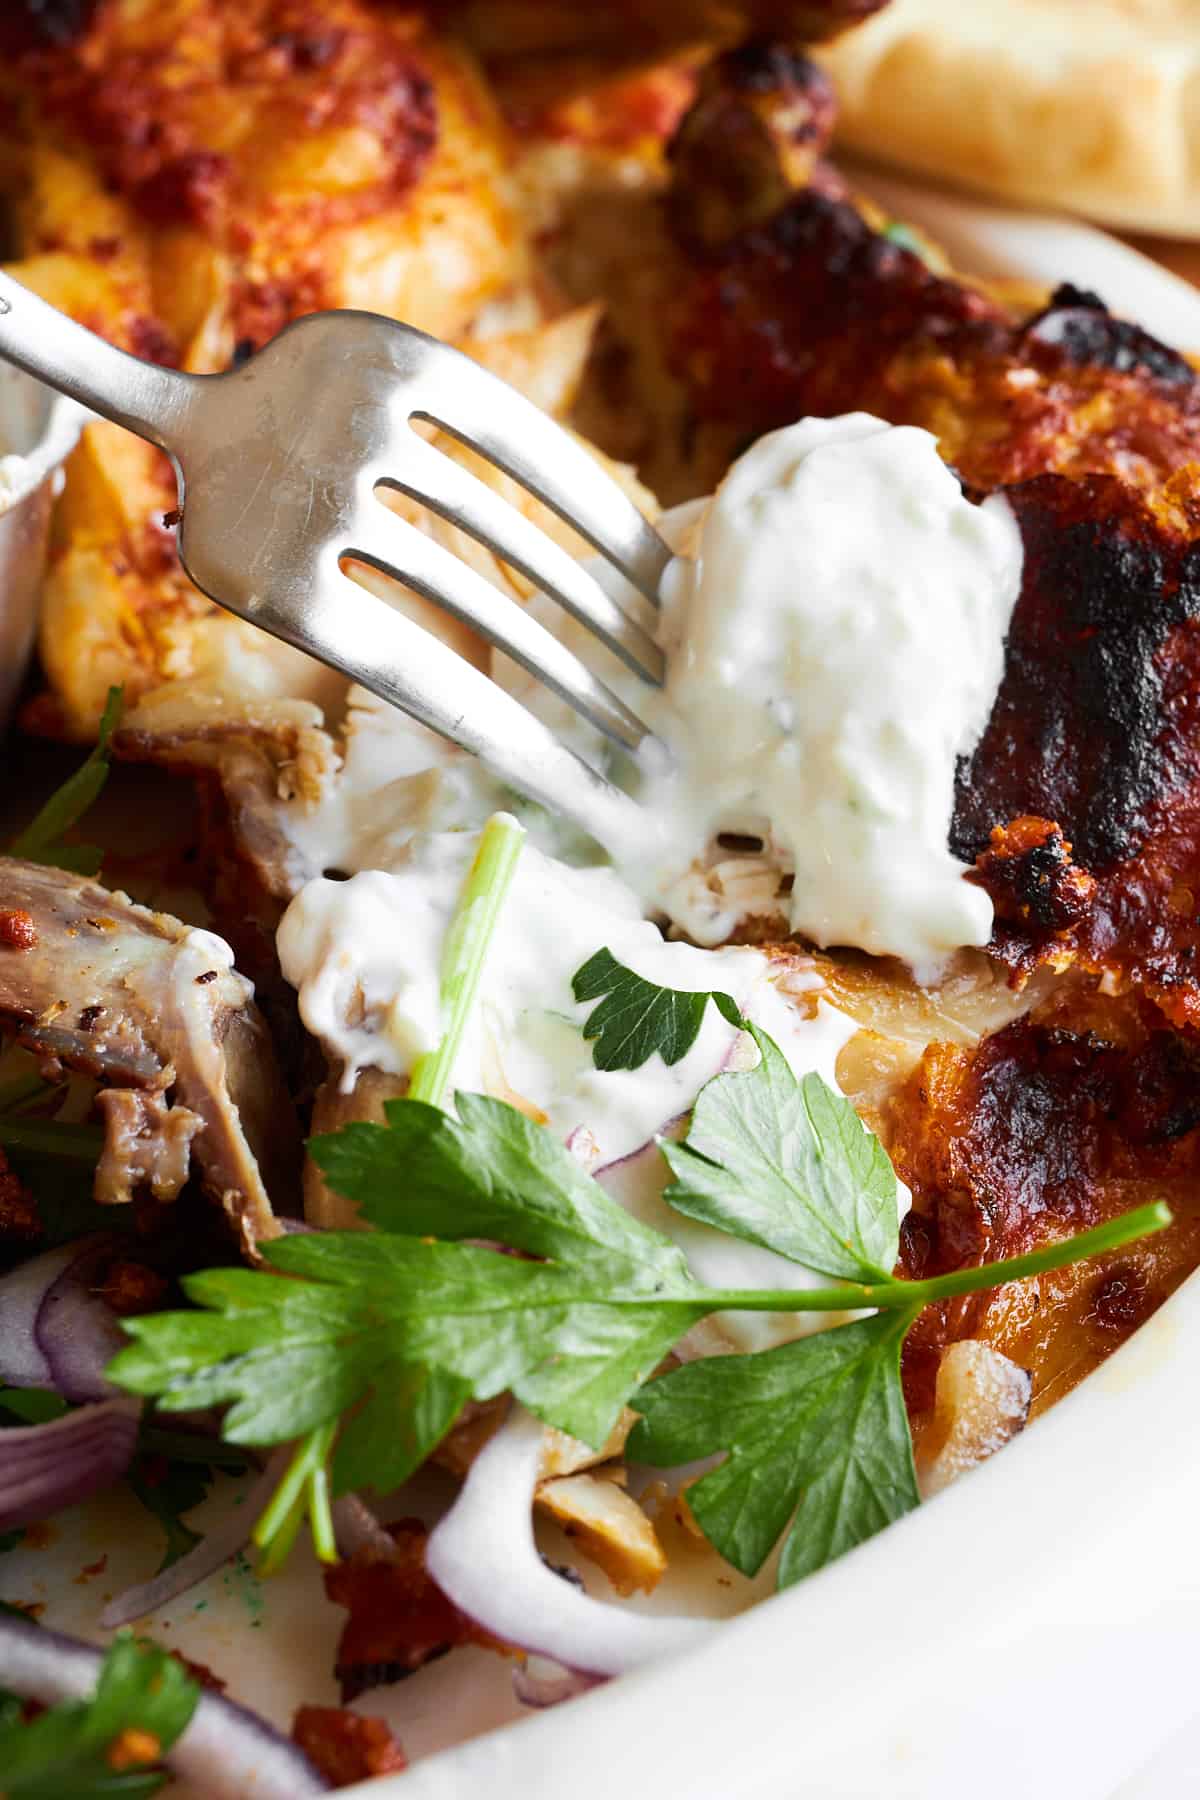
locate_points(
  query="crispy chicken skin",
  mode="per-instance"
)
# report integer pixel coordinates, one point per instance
(1065, 1118)
(1082, 799)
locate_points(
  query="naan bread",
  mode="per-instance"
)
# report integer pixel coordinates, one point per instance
(1087, 105)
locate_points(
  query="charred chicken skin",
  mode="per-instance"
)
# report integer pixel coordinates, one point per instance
(1080, 804)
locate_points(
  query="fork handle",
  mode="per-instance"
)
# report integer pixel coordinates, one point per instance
(44, 342)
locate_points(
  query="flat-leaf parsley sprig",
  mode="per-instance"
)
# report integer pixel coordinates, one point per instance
(111, 1744)
(576, 1325)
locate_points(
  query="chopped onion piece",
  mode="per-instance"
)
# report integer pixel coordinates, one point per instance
(484, 1558)
(982, 1400)
(549, 1684)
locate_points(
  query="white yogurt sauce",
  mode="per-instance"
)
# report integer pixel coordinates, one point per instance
(835, 642)
(365, 953)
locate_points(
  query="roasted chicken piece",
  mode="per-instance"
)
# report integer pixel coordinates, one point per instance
(788, 297)
(772, 293)
(1082, 799)
(1085, 1107)
(152, 1011)
(399, 1619)
(232, 165)
(186, 178)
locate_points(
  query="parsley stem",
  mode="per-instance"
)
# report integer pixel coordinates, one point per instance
(858, 1297)
(41, 841)
(465, 951)
(320, 1513)
(1142, 1221)
(274, 1553)
(278, 1523)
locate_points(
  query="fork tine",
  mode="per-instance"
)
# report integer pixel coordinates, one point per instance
(398, 549)
(487, 415)
(409, 667)
(442, 484)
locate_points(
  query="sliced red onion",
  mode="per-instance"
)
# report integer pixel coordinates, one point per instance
(213, 1551)
(75, 1330)
(46, 1467)
(22, 1291)
(226, 1751)
(670, 1128)
(484, 1558)
(583, 1146)
(540, 1683)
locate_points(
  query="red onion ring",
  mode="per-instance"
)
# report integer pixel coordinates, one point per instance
(75, 1330)
(44, 1468)
(22, 1291)
(227, 1751)
(484, 1558)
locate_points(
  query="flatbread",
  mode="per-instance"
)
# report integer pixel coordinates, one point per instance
(1086, 105)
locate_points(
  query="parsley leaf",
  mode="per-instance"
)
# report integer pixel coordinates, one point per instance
(490, 1173)
(53, 1137)
(571, 1336)
(816, 1429)
(42, 840)
(107, 1746)
(789, 1165)
(403, 1420)
(637, 1018)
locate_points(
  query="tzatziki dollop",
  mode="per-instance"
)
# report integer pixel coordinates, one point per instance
(835, 641)
(834, 625)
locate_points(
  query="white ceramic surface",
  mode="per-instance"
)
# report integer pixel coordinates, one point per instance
(1029, 1633)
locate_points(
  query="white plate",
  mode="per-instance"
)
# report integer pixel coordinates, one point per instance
(1030, 1632)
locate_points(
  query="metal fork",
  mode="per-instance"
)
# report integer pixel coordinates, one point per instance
(278, 464)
